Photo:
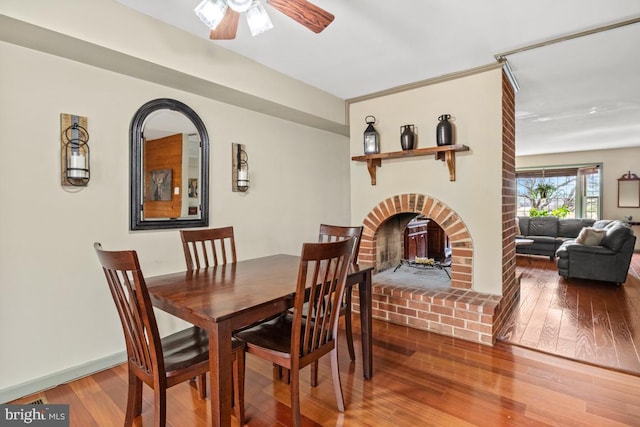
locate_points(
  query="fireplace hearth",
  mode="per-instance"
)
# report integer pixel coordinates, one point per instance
(413, 276)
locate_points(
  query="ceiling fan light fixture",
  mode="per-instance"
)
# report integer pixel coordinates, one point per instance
(258, 19)
(240, 5)
(211, 12)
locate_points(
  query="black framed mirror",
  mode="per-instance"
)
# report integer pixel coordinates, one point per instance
(169, 167)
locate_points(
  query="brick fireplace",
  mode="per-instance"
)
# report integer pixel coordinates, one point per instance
(458, 311)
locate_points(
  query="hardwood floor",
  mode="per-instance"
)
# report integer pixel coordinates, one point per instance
(589, 321)
(420, 379)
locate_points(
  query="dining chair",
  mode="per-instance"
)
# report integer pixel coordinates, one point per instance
(212, 246)
(331, 233)
(158, 362)
(291, 340)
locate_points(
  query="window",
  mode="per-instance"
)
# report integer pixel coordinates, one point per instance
(566, 192)
(591, 206)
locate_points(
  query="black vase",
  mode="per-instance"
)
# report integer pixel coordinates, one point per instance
(407, 137)
(444, 131)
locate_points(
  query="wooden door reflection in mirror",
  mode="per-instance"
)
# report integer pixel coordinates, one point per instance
(169, 167)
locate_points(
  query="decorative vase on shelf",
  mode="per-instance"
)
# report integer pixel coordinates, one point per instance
(444, 131)
(407, 137)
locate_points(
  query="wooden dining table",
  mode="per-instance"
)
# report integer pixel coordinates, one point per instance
(229, 297)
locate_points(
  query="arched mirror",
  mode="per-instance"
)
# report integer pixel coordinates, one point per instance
(169, 167)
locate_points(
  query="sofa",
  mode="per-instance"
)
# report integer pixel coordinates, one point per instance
(548, 233)
(604, 254)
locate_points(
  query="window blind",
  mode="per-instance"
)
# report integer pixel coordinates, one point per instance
(553, 172)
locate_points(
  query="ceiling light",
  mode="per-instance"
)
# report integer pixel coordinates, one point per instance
(211, 12)
(239, 5)
(257, 18)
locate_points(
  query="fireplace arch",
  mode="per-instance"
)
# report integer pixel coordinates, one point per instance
(447, 218)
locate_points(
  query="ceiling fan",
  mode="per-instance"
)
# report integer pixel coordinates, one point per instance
(222, 15)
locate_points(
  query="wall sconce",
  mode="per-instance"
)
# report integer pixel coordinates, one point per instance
(371, 137)
(75, 150)
(240, 168)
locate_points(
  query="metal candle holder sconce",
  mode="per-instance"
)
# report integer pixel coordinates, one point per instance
(75, 151)
(240, 162)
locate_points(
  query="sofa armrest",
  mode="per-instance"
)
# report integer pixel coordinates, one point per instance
(580, 249)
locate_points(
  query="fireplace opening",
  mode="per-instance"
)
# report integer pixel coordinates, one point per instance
(413, 251)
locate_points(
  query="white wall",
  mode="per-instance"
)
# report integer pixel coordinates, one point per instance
(475, 103)
(56, 313)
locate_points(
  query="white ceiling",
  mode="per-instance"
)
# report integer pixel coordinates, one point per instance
(575, 95)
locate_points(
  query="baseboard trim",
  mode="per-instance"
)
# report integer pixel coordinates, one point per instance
(49, 381)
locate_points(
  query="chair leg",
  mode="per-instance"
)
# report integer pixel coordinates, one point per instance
(295, 395)
(347, 325)
(134, 399)
(160, 406)
(277, 372)
(314, 374)
(281, 374)
(335, 373)
(202, 386)
(238, 385)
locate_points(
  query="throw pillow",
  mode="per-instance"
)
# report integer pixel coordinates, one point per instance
(590, 236)
(518, 225)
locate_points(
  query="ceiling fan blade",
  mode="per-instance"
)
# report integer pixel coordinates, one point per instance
(305, 13)
(227, 28)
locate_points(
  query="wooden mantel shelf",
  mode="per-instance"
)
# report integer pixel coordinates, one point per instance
(375, 160)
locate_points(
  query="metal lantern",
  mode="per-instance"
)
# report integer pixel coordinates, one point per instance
(76, 156)
(242, 163)
(371, 137)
